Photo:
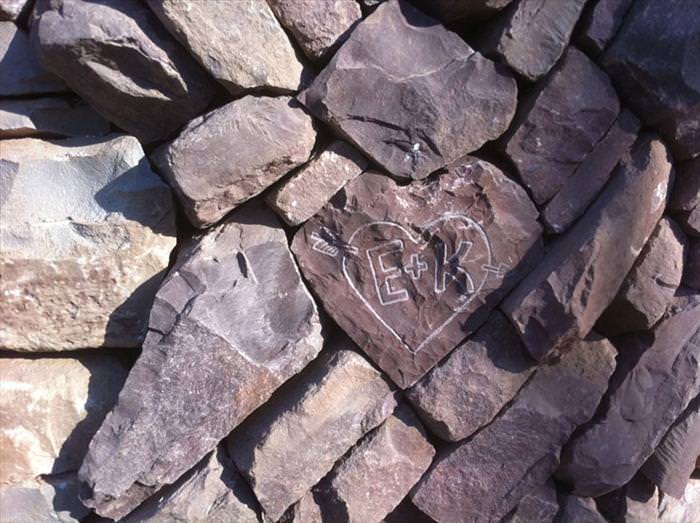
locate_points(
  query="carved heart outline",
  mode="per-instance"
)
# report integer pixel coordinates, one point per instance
(421, 244)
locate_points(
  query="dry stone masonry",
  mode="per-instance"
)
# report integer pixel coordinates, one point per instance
(350, 261)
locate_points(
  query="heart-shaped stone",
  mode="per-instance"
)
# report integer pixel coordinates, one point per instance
(410, 271)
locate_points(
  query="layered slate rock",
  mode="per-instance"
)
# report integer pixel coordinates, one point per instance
(674, 459)
(241, 44)
(21, 72)
(547, 150)
(590, 176)
(648, 60)
(411, 116)
(233, 153)
(289, 445)
(212, 491)
(458, 10)
(531, 35)
(600, 22)
(86, 230)
(307, 190)
(50, 499)
(651, 285)
(50, 117)
(691, 275)
(685, 201)
(538, 506)
(51, 407)
(11, 10)
(485, 477)
(231, 323)
(581, 510)
(565, 295)
(378, 472)
(478, 379)
(409, 271)
(318, 26)
(117, 57)
(645, 404)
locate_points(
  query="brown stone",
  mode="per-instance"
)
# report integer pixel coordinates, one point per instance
(565, 295)
(685, 200)
(478, 379)
(600, 22)
(409, 271)
(485, 477)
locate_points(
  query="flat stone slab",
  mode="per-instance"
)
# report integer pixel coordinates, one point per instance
(49, 117)
(409, 271)
(231, 322)
(411, 116)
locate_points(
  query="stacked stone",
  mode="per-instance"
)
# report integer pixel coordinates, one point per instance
(325, 261)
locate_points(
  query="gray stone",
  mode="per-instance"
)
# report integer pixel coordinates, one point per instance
(240, 43)
(560, 123)
(86, 230)
(485, 477)
(651, 396)
(691, 275)
(230, 324)
(635, 502)
(307, 190)
(318, 26)
(12, 10)
(651, 285)
(213, 492)
(118, 58)
(650, 65)
(49, 117)
(467, 11)
(685, 201)
(21, 72)
(600, 22)
(233, 153)
(531, 35)
(409, 271)
(290, 444)
(685, 510)
(52, 499)
(564, 296)
(575, 509)
(478, 379)
(538, 506)
(411, 116)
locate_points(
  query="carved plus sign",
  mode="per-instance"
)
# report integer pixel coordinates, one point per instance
(497, 270)
(417, 267)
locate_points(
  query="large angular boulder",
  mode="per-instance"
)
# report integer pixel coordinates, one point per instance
(233, 153)
(50, 408)
(230, 324)
(485, 477)
(685, 201)
(600, 22)
(240, 43)
(49, 117)
(318, 26)
(86, 231)
(409, 271)
(479, 378)
(411, 116)
(531, 35)
(644, 405)
(117, 56)
(547, 150)
(565, 295)
(649, 62)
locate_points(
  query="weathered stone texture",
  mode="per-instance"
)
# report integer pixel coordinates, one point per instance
(49, 117)
(537, 506)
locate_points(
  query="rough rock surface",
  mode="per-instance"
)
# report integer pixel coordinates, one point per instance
(212, 492)
(645, 404)
(318, 26)
(240, 43)
(591, 175)
(160, 428)
(649, 60)
(531, 35)
(674, 459)
(49, 117)
(369, 482)
(691, 276)
(600, 22)
(686, 510)
(86, 230)
(478, 379)
(566, 294)
(579, 510)
(53, 499)
(116, 56)
(685, 200)
(289, 445)
(469, 11)
(21, 72)
(651, 285)
(11, 10)
(50, 408)
(210, 169)
(411, 116)
(485, 477)
(547, 149)
(409, 271)
(307, 190)
(538, 506)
